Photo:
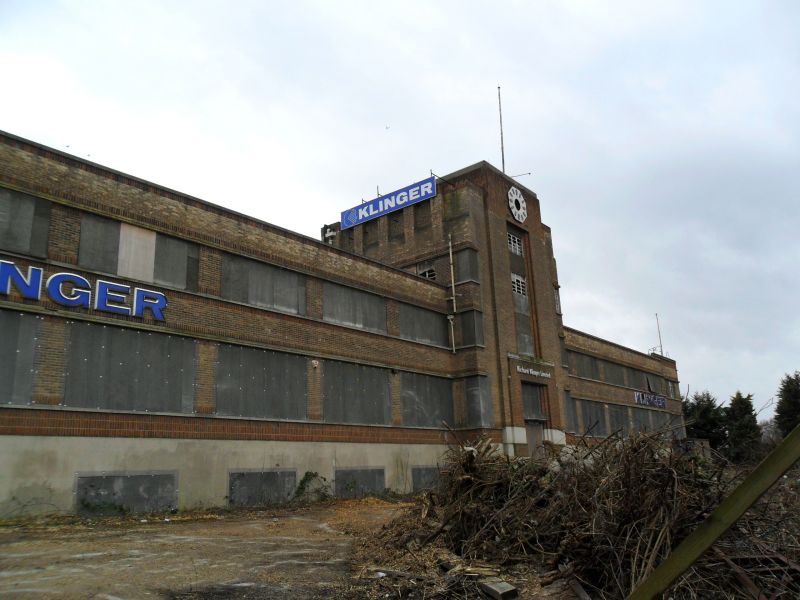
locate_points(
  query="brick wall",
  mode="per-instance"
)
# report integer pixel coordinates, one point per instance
(471, 209)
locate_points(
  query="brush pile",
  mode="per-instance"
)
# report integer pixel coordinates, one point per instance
(606, 516)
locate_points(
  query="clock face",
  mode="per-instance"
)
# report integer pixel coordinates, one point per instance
(517, 205)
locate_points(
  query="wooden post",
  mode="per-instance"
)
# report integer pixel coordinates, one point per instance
(726, 514)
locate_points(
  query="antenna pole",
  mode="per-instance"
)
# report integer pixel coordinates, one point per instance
(660, 345)
(502, 146)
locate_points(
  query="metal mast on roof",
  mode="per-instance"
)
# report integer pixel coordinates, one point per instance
(502, 146)
(660, 345)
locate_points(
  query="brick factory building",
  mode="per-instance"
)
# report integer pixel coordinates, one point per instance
(160, 351)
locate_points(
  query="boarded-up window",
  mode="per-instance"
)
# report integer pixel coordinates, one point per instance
(478, 402)
(24, 223)
(471, 325)
(422, 215)
(396, 226)
(132, 252)
(422, 325)
(642, 419)
(618, 419)
(572, 412)
(347, 239)
(427, 401)
(586, 366)
(614, 373)
(263, 285)
(455, 205)
(124, 369)
(124, 493)
(371, 232)
(467, 266)
(636, 379)
(349, 306)
(532, 395)
(660, 420)
(19, 339)
(677, 427)
(424, 478)
(524, 335)
(355, 394)
(594, 418)
(355, 482)
(99, 245)
(260, 488)
(137, 252)
(261, 383)
(655, 384)
(177, 263)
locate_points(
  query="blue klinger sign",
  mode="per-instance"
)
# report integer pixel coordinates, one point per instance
(417, 192)
(71, 289)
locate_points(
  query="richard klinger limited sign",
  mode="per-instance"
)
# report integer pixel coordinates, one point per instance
(383, 205)
(70, 289)
(534, 372)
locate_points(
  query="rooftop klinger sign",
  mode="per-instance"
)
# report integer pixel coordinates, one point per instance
(383, 205)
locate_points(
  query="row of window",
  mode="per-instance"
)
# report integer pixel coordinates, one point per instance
(114, 368)
(128, 251)
(454, 208)
(590, 367)
(599, 419)
(519, 288)
(115, 493)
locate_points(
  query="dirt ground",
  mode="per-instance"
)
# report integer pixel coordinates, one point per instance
(282, 553)
(296, 553)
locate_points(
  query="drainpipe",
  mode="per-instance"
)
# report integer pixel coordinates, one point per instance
(452, 317)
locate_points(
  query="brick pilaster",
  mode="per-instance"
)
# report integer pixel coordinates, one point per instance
(50, 362)
(314, 388)
(397, 400)
(392, 318)
(205, 393)
(210, 277)
(313, 298)
(64, 235)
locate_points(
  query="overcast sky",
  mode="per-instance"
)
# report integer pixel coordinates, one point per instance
(663, 138)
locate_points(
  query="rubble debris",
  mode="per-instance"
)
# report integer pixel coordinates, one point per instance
(601, 517)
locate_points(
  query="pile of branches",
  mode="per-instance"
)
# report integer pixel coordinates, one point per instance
(607, 515)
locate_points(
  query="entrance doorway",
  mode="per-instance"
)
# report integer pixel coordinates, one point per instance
(535, 433)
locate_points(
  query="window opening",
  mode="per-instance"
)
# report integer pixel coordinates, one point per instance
(519, 285)
(427, 270)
